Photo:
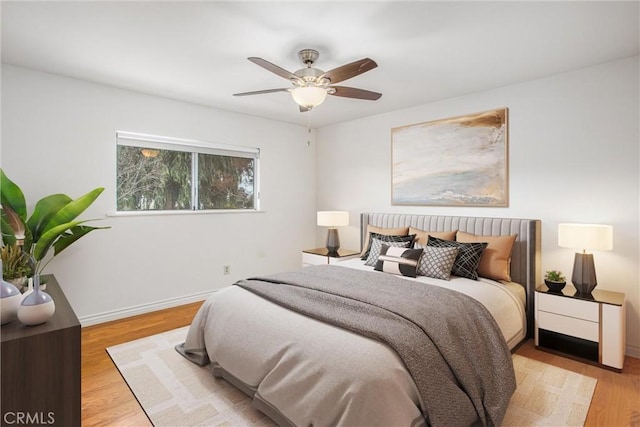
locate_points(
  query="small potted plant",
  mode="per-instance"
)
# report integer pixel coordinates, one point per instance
(554, 280)
(16, 266)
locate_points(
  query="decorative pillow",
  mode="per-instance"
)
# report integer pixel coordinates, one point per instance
(468, 258)
(436, 262)
(400, 261)
(398, 231)
(376, 246)
(423, 236)
(496, 258)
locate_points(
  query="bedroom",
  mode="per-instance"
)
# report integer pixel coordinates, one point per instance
(573, 141)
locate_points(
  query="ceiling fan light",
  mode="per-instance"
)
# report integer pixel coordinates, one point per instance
(309, 96)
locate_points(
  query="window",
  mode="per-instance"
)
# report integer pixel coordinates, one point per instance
(167, 174)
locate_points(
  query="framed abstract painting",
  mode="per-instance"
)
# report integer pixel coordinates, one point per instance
(459, 161)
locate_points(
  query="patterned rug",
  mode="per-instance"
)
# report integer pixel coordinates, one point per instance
(175, 392)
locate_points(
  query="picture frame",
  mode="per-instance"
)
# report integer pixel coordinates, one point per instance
(457, 161)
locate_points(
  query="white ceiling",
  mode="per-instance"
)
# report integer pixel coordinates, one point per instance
(426, 51)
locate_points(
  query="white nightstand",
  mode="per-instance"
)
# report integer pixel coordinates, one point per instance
(590, 327)
(320, 256)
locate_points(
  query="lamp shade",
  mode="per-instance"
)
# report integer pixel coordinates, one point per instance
(309, 96)
(333, 218)
(585, 236)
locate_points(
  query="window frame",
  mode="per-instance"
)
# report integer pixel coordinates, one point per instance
(140, 140)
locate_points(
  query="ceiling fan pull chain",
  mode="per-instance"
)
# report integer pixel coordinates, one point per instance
(309, 128)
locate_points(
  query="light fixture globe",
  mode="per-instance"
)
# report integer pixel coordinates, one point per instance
(309, 96)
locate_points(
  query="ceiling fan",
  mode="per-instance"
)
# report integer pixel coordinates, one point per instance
(312, 85)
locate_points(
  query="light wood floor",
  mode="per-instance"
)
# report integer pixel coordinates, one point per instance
(107, 401)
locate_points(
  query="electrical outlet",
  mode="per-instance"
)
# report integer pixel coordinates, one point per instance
(226, 269)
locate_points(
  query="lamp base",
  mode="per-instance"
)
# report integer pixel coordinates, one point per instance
(333, 241)
(584, 273)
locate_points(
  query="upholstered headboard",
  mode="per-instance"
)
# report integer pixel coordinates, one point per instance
(525, 257)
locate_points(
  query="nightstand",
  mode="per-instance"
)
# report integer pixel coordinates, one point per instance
(320, 256)
(589, 327)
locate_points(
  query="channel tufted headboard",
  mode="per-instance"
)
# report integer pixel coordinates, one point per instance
(525, 257)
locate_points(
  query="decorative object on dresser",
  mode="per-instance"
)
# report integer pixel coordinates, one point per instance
(16, 265)
(37, 307)
(10, 298)
(590, 327)
(40, 366)
(333, 219)
(52, 223)
(466, 157)
(554, 280)
(585, 236)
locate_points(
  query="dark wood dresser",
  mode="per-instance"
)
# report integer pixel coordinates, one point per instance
(40, 373)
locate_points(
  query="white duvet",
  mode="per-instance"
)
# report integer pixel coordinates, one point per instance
(312, 373)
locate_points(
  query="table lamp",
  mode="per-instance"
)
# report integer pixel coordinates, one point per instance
(333, 219)
(585, 236)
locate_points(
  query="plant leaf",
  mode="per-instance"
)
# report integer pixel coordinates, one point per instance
(11, 196)
(14, 222)
(8, 237)
(72, 210)
(46, 209)
(71, 236)
(42, 246)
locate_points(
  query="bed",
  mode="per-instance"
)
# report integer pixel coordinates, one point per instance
(313, 362)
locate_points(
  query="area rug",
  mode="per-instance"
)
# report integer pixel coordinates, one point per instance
(175, 392)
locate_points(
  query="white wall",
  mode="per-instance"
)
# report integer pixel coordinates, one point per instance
(58, 135)
(573, 157)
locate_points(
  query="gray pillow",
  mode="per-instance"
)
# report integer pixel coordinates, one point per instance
(468, 258)
(436, 262)
(386, 238)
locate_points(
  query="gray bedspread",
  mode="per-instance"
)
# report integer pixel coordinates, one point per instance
(449, 342)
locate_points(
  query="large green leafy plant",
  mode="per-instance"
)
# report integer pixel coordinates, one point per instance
(52, 223)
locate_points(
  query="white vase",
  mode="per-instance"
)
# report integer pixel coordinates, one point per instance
(26, 290)
(10, 299)
(36, 307)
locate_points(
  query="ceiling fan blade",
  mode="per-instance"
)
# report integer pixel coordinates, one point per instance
(350, 70)
(273, 68)
(352, 92)
(259, 92)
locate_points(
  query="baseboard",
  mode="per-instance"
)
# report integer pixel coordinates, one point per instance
(108, 316)
(633, 351)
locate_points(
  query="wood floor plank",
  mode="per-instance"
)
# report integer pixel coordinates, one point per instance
(107, 400)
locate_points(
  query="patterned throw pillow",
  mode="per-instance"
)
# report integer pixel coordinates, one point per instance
(385, 238)
(436, 262)
(468, 258)
(376, 246)
(400, 261)
(395, 231)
